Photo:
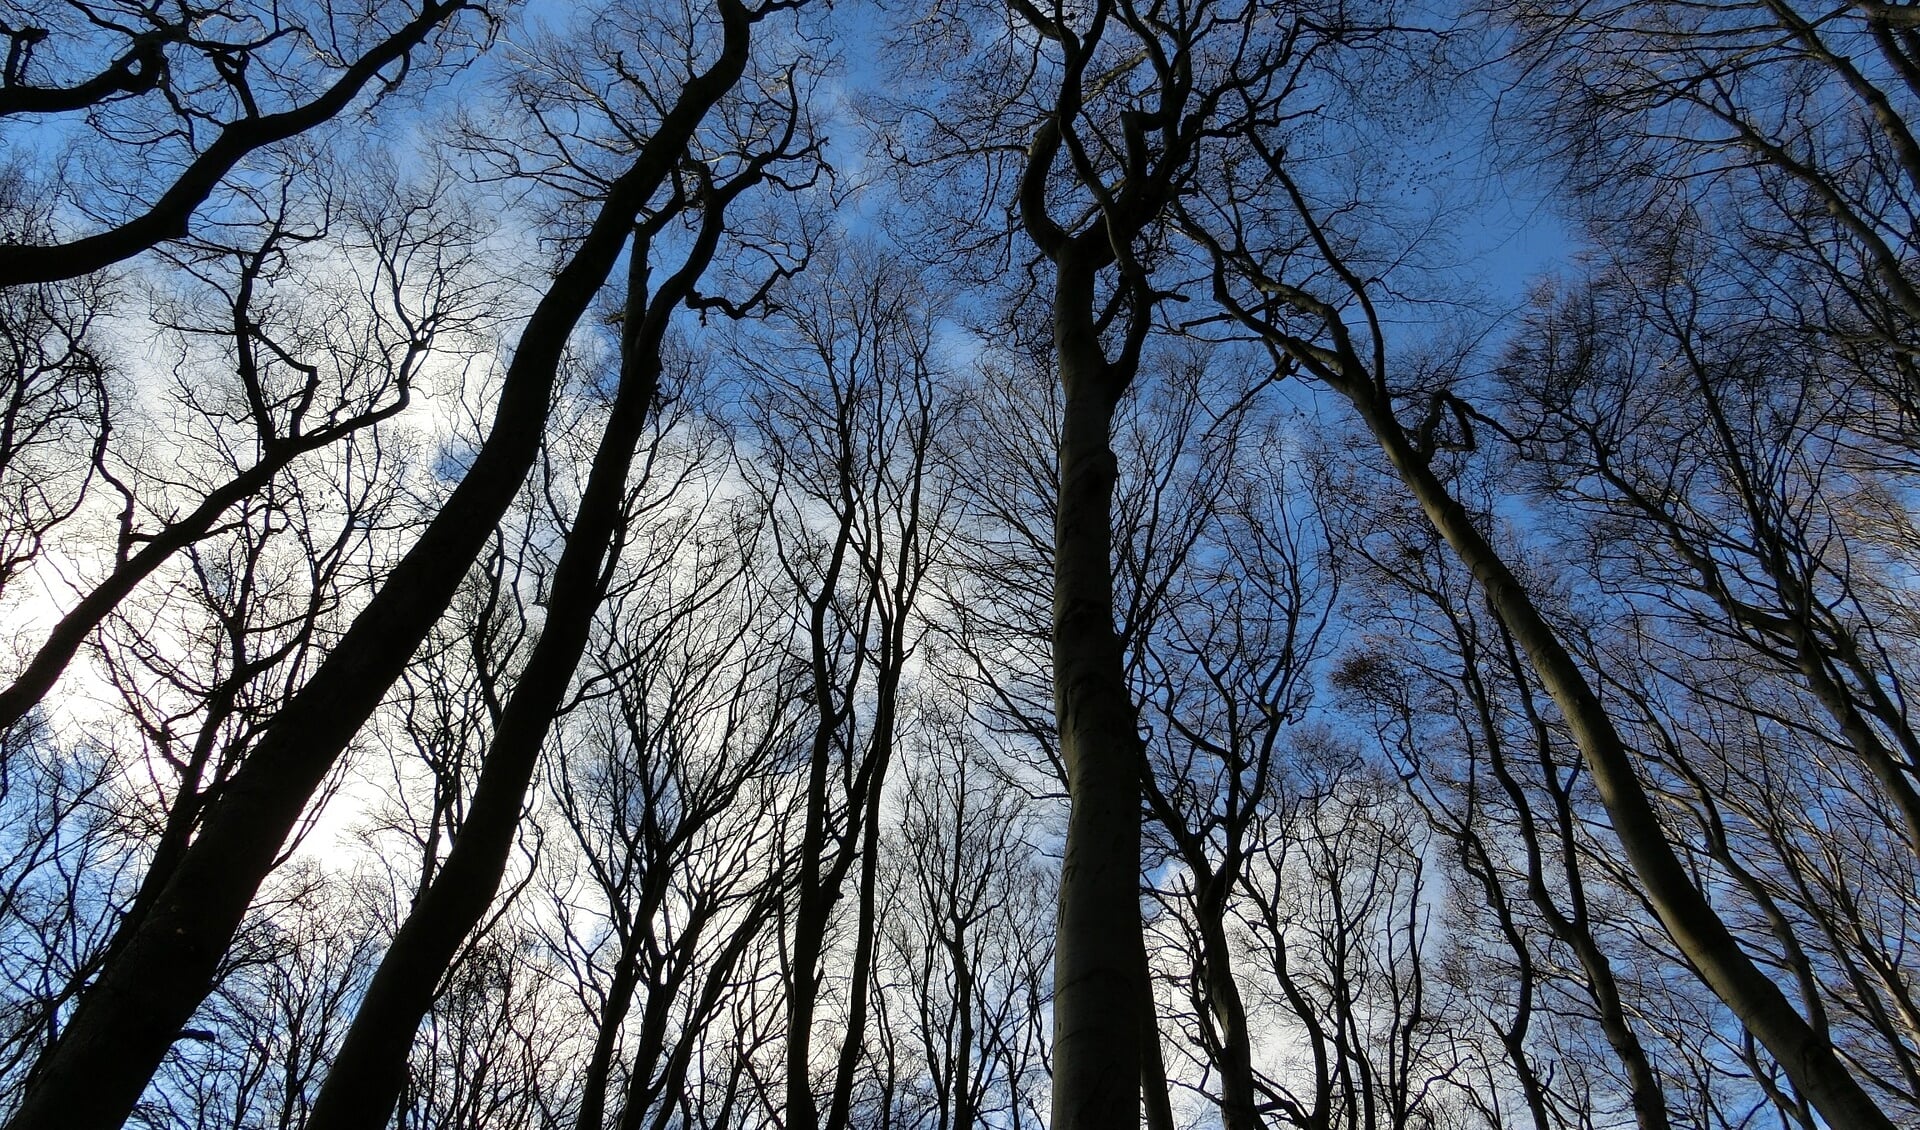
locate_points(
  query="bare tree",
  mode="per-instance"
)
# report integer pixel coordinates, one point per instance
(180, 96)
(366, 1073)
(665, 774)
(187, 672)
(491, 1053)
(845, 407)
(64, 860)
(963, 974)
(1338, 915)
(1498, 777)
(134, 1010)
(57, 381)
(1308, 326)
(1224, 608)
(681, 720)
(1119, 107)
(258, 1049)
(264, 309)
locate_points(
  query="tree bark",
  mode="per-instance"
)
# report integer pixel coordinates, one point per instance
(1098, 1029)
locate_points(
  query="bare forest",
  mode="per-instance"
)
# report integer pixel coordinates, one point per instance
(1015, 564)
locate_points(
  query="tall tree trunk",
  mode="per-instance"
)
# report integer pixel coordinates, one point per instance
(599, 1069)
(1644, 1088)
(1237, 1106)
(819, 885)
(1810, 1062)
(1098, 1028)
(123, 1026)
(880, 754)
(371, 1065)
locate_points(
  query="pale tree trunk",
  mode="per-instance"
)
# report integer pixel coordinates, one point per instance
(1575, 929)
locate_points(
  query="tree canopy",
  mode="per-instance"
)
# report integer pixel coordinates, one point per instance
(786, 565)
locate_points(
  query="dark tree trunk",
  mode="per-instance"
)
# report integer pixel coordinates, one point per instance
(124, 1024)
(371, 1065)
(1098, 963)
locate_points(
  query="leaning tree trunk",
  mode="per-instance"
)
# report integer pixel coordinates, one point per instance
(371, 1065)
(1810, 1061)
(123, 1026)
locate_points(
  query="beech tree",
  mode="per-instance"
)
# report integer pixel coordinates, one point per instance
(1117, 106)
(783, 565)
(845, 411)
(164, 965)
(1497, 776)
